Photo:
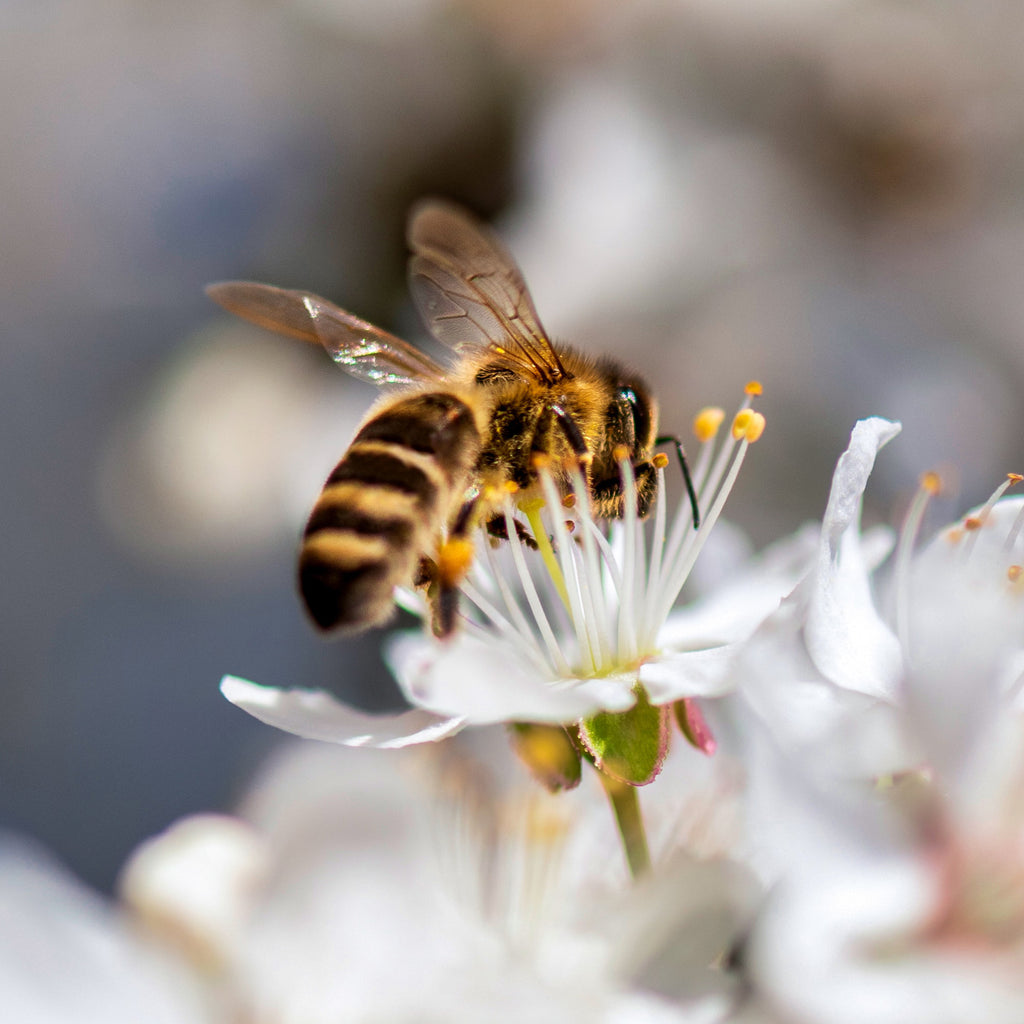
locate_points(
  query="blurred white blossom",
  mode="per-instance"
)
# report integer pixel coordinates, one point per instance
(907, 904)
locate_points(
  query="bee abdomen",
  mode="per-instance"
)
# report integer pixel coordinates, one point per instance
(381, 508)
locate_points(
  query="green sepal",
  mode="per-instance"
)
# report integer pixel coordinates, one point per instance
(629, 745)
(549, 752)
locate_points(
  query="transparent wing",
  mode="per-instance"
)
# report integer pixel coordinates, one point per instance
(471, 293)
(365, 351)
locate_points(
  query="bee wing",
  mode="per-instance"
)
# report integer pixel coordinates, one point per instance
(365, 351)
(471, 293)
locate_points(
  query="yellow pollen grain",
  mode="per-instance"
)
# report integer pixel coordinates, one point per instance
(660, 461)
(620, 453)
(511, 487)
(753, 388)
(707, 422)
(931, 482)
(454, 559)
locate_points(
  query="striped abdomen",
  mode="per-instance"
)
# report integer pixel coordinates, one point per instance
(382, 508)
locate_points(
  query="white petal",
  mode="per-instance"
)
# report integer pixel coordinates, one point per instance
(843, 731)
(846, 639)
(736, 609)
(679, 674)
(484, 683)
(316, 715)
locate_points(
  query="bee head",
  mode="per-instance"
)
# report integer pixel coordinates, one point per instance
(630, 422)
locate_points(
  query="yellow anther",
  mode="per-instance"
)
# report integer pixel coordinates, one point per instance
(1014, 478)
(747, 425)
(541, 461)
(511, 487)
(755, 428)
(754, 388)
(620, 453)
(954, 535)
(570, 525)
(1014, 573)
(660, 461)
(707, 422)
(973, 523)
(569, 501)
(454, 559)
(931, 482)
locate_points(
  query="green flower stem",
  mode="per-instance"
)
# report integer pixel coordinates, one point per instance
(626, 808)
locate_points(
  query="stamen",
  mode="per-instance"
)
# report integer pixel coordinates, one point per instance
(632, 539)
(930, 485)
(590, 577)
(754, 388)
(520, 637)
(707, 422)
(531, 509)
(587, 643)
(531, 593)
(650, 624)
(974, 523)
(519, 630)
(1018, 525)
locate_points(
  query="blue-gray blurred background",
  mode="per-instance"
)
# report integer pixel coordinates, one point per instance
(823, 195)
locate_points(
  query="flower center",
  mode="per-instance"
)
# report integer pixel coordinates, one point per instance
(592, 597)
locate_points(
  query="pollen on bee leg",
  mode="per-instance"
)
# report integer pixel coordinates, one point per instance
(707, 422)
(454, 558)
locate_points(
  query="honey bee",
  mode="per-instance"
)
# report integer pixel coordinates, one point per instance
(436, 457)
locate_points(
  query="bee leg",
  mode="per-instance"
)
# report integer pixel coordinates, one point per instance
(426, 573)
(684, 466)
(572, 434)
(454, 558)
(496, 527)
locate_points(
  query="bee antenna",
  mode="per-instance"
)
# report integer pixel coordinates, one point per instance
(685, 467)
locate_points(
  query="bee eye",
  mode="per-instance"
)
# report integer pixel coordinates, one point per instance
(639, 412)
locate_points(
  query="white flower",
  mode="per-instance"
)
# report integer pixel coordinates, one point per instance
(558, 634)
(910, 909)
(415, 887)
(823, 671)
(66, 955)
